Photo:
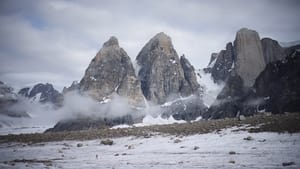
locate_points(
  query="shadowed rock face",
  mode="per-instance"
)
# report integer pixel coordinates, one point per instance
(162, 73)
(47, 93)
(272, 50)
(189, 75)
(275, 90)
(111, 71)
(224, 64)
(249, 56)
(279, 83)
(263, 78)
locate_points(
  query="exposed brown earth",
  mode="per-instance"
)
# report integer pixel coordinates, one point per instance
(289, 122)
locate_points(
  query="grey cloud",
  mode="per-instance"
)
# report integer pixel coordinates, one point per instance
(57, 39)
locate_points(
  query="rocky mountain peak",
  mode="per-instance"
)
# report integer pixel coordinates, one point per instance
(223, 64)
(162, 42)
(44, 93)
(113, 41)
(249, 56)
(163, 38)
(162, 73)
(111, 71)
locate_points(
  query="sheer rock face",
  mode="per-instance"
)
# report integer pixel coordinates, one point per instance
(249, 56)
(161, 72)
(111, 71)
(223, 64)
(275, 90)
(272, 50)
(189, 75)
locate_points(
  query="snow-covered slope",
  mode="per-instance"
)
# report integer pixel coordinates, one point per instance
(225, 149)
(210, 89)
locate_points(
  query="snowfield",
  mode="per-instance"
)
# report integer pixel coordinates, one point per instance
(224, 149)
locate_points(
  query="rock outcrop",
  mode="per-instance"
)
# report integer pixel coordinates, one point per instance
(224, 64)
(278, 85)
(189, 76)
(213, 59)
(249, 56)
(272, 51)
(263, 78)
(44, 93)
(188, 108)
(275, 90)
(110, 78)
(111, 71)
(239, 65)
(161, 72)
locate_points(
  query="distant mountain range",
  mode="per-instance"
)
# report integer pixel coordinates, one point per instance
(259, 75)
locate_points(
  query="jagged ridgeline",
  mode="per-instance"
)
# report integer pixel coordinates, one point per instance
(165, 82)
(259, 76)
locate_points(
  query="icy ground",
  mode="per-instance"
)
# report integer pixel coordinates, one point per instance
(261, 150)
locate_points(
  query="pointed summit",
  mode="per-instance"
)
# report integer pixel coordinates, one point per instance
(113, 41)
(111, 71)
(161, 71)
(160, 42)
(162, 37)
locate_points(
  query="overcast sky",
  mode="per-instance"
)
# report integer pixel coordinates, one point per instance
(54, 41)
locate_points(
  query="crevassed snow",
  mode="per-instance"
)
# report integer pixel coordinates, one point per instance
(266, 150)
(211, 89)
